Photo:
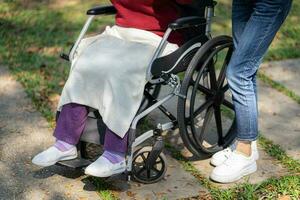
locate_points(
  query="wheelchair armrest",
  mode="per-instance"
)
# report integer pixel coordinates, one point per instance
(187, 22)
(102, 10)
(64, 56)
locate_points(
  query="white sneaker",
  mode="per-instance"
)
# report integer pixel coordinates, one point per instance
(104, 168)
(221, 156)
(234, 168)
(52, 155)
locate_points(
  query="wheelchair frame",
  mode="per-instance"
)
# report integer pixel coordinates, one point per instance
(172, 80)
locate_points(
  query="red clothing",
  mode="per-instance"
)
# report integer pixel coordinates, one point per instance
(149, 15)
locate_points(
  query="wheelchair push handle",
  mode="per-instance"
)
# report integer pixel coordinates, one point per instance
(100, 10)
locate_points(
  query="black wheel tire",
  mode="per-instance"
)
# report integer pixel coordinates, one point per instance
(136, 166)
(200, 57)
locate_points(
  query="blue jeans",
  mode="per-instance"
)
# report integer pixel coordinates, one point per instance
(254, 26)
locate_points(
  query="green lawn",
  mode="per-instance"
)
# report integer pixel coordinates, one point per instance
(34, 32)
(285, 45)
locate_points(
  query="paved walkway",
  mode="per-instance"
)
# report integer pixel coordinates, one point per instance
(280, 115)
(279, 121)
(24, 132)
(286, 72)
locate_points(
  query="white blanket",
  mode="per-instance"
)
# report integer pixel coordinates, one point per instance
(108, 73)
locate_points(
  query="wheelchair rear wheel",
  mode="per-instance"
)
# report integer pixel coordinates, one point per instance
(206, 115)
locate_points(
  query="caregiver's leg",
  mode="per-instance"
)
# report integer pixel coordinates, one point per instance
(259, 32)
(265, 20)
(241, 13)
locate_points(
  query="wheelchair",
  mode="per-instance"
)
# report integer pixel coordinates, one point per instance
(195, 74)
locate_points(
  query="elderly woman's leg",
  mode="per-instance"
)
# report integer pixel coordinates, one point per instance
(112, 160)
(69, 128)
(70, 124)
(115, 147)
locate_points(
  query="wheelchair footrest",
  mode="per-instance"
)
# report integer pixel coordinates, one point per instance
(76, 163)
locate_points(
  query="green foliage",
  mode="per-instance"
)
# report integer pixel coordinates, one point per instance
(287, 41)
(31, 40)
(277, 152)
(104, 188)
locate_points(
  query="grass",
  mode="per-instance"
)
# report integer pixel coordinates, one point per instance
(33, 33)
(104, 189)
(277, 152)
(31, 40)
(286, 43)
(278, 86)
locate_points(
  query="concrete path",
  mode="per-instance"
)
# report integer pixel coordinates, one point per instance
(279, 119)
(267, 166)
(177, 184)
(24, 133)
(286, 72)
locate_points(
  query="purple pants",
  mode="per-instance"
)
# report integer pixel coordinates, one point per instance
(71, 123)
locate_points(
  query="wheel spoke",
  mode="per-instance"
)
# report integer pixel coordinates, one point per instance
(203, 89)
(156, 170)
(139, 164)
(225, 88)
(228, 104)
(206, 121)
(204, 106)
(212, 77)
(187, 121)
(148, 173)
(158, 162)
(222, 75)
(218, 119)
(141, 170)
(143, 157)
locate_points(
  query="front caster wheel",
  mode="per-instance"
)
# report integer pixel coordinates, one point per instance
(144, 173)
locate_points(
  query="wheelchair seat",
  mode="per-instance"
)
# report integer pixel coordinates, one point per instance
(178, 60)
